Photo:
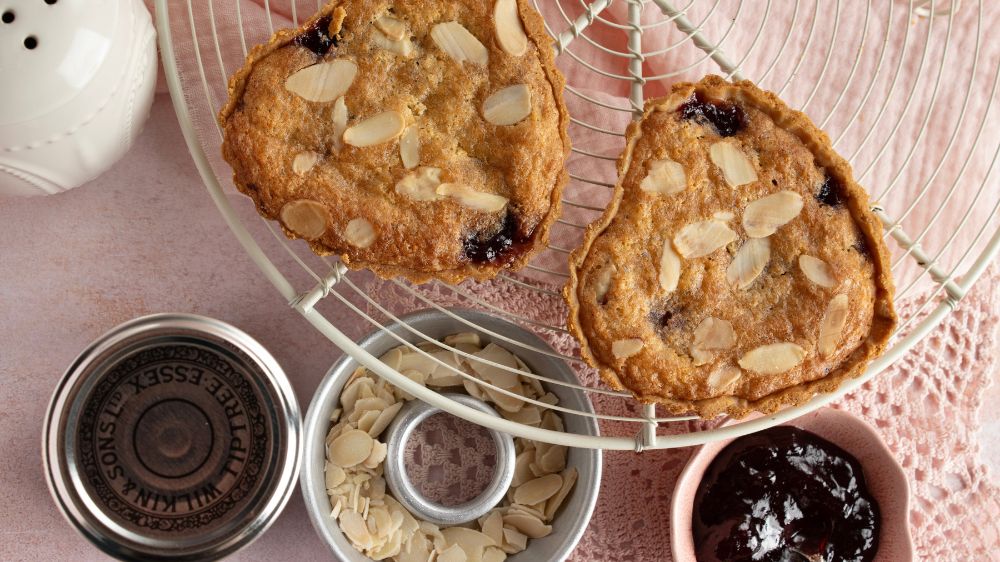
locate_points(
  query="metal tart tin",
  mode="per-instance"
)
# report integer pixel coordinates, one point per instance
(573, 516)
(172, 437)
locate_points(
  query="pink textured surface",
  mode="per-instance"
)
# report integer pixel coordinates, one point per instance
(146, 238)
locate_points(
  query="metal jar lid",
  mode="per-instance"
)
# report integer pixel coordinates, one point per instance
(172, 437)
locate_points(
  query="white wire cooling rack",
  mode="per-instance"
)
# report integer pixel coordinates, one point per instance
(905, 89)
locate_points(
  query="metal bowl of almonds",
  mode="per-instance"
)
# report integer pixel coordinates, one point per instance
(553, 490)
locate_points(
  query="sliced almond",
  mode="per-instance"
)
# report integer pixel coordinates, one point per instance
(554, 460)
(602, 282)
(522, 467)
(623, 349)
(393, 28)
(452, 38)
(377, 455)
(527, 415)
(323, 82)
(355, 528)
(304, 161)
(375, 130)
(360, 233)
(402, 47)
(472, 542)
(670, 267)
(749, 262)
(498, 376)
(306, 218)
(735, 166)
(467, 197)
(351, 448)
(493, 526)
(514, 541)
(509, 29)
(384, 418)
(569, 477)
(453, 553)
(538, 490)
(420, 185)
(773, 359)
(494, 554)
(339, 122)
(831, 328)
(335, 476)
(766, 215)
(724, 216)
(530, 525)
(817, 271)
(409, 147)
(714, 333)
(702, 238)
(463, 337)
(508, 105)
(723, 377)
(665, 176)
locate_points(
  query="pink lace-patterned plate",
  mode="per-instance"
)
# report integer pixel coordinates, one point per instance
(885, 478)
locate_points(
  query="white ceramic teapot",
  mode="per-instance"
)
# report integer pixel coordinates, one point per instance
(77, 78)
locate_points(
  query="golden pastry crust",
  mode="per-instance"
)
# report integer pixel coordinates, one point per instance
(618, 302)
(266, 126)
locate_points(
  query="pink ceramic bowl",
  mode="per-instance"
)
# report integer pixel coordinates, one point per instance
(884, 476)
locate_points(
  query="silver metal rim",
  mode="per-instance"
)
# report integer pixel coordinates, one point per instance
(398, 433)
(950, 282)
(88, 519)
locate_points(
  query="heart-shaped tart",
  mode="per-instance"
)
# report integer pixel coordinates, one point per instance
(738, 266)
(418, 138)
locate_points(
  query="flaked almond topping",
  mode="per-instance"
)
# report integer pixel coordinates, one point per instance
(510, 31)
(773, 359)
(375, 130)
(623, 349)
(714, 333)
(409, 147)
(351, 448)
(665, 176)
(602, 282)
(817, 271)
(339, 122)
(393, 28)
(420, 185)
(305, 218)
(766, 215)
(832, 326)
(402, 47)
(360, 233)
(723, 377)
(749, 262)
(735, 166)
(702, 238)
(322, 82)
(508, 105)
(478, 200)
(304, 161)
(724, 216)
(670, 267)
(452, 38)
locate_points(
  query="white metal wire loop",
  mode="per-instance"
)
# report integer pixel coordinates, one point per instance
(899, 86)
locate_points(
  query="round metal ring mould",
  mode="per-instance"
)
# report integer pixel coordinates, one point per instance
(398, 433)
(172, 437)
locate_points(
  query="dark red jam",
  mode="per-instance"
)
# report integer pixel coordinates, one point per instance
(786, 495)
(726, 117)
(317, 37)
(502, 246)
(830, 192)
